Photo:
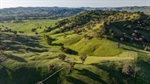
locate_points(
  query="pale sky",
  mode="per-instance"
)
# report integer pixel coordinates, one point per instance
(72, 3)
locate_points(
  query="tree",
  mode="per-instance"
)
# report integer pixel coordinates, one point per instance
(83, 58)
(62, 57)
(51, 67)
(33, 29)
(36, 33)
(128, 70)
(71, 67)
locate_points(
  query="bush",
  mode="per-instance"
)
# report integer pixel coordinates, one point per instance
(83, 58)
(128, 70)
(51, 67)
(62, 57)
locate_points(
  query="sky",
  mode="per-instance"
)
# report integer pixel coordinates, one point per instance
(72, 3)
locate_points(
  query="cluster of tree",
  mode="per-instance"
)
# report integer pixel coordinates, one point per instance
(23, 13)
(93, 17)
(130, 30)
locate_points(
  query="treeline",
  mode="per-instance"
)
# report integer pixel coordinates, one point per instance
(23, 13)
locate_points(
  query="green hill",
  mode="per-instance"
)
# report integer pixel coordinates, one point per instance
(114, 54)
(97, 28)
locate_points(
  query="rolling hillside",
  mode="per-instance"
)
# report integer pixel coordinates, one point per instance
(115, 43)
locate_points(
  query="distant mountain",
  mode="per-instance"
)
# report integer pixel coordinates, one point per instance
(145, 9)
(21, 13)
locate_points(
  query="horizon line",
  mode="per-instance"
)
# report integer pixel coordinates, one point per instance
(74, 7)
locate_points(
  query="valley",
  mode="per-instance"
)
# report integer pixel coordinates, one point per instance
(92, 47)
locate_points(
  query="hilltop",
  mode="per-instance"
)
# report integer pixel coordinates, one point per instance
(99, 27)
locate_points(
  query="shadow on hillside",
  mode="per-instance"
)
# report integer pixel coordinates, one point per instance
(4, 74)
(75, 81)
(142, 76)
(69, 51)
(91, 75)
(25, 75)
(21, 42)
(73, 52)
(37, 50)
(16, 58)
(116, 76)
(5, 68)
(57, 44)
(21, 75)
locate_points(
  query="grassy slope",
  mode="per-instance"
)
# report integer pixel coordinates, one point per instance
(26, 25)
(28, 68)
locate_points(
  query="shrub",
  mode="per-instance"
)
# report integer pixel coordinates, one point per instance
(83, 58)
(128, 70)
(51, 67)
(62, 57)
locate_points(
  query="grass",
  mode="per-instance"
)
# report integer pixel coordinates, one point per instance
(27, 25)
(102, 66)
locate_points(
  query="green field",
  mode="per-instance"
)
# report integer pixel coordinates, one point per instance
(102, 66)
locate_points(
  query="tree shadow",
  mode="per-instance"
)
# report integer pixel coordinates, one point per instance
(4, 75)
(73, 52)
(19, 59)
(69, 51)
(91, 75)
(24, 75)
(21, 42)
(36, 50)
(116, 76)
(74, 80)
(57, 44)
